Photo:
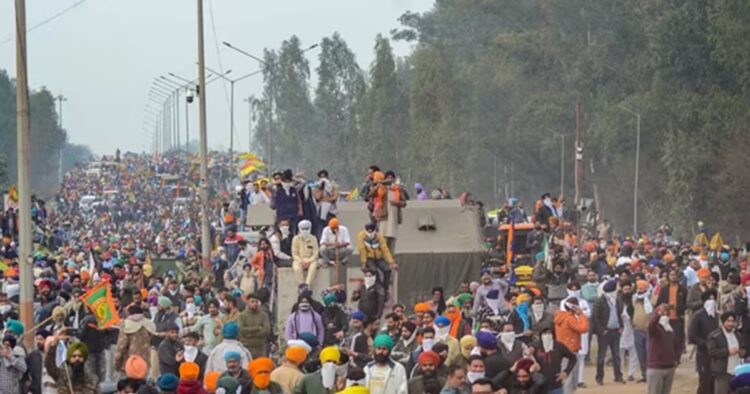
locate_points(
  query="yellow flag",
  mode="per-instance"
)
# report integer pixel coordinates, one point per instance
(701, 239)
(716, 242)
(248, 156)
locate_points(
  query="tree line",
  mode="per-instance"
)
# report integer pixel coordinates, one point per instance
(48, 141)
(490, 85)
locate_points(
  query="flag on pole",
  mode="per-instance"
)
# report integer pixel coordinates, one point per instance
(248, 156)
(92, 268)
(61, 353)
(354, 194)
(509, 247)
(99, 300)
(251, 163)
(545, 250)
(251, 166)
(716, 242)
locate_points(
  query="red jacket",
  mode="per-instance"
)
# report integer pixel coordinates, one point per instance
(662, 347)
(190, 387)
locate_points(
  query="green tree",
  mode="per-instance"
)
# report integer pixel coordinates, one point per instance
(435, 148)
(384, 111)
(340, 91)
(293, 107)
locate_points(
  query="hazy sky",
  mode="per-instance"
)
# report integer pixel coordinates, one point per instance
(104, 54)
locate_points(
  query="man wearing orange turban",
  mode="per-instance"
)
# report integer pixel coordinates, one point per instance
(420, 309)
(288, 374)
(429, 362)
(335, 242)
(136, 368)
(260, 370)
(189, 371)
(705, 283)
(211, 381)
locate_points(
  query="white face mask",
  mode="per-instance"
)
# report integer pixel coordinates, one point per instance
(710, 307)
(574, 293)
(547, 342)
(442, 332)
(474, 376)
(538, 309)
(305, 232)
(190, 309)
(370, 234)
(153, 310)
(427, 344)
(664, 322)
(370, 281)
(284, 231)
(191, 352)
(507, 338)
(328, 373)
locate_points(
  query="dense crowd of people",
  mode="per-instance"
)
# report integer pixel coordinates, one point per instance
(644, 301)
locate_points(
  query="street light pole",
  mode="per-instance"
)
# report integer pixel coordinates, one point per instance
(160, 97)
(231, 109)
(175, 97)
(60, 99)
(205, 231)
(185, 86)
(249, 101)
(637, 164)
(231, 128)
(188, 86)
(272, 99)
(562, 160)
(26, 296)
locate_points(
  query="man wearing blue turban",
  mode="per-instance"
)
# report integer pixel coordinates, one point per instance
(229, 346)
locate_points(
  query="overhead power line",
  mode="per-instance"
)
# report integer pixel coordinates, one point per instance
(49, 19)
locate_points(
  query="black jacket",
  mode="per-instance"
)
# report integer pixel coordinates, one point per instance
(600, 314)
(35, 363)
(162, 321)
(494, 364)
(334, 320)
(92, 336)
(371, 301)
(551, 362)
(681, 299)
(167, 352)
(718, 350)
(700, 327)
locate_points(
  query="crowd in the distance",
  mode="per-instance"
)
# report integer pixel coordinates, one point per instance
(641, 302)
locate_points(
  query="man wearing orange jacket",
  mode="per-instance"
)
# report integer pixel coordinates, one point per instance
(570, 323)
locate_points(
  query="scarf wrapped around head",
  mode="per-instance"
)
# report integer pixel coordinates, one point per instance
(455, 321)
(80, 346)
(523, 312)
(467, 344)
